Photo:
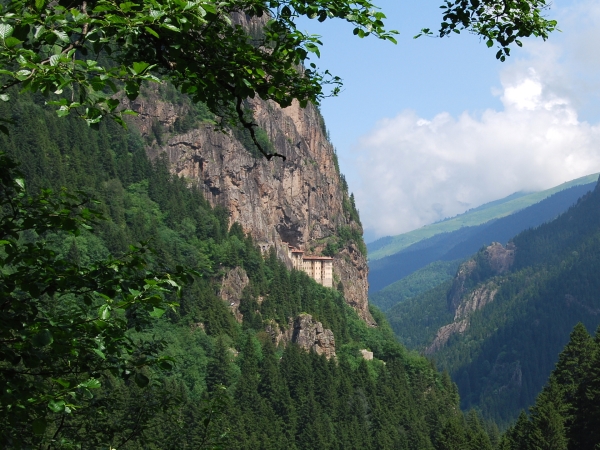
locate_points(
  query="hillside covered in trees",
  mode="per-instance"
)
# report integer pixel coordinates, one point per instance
(228, 383)
(500, 324)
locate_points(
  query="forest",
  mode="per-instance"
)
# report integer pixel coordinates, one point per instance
(504, 357)
(114, 332)
(183, 372)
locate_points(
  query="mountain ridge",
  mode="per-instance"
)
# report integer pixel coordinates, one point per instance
(466, 241)
(501, 349)
(476, 216)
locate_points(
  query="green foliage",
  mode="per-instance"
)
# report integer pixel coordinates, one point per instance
(497, 22)
(274, 397)
(501, 361)
(50, 48)
(565, 414)
(64, 323)
(416, 320)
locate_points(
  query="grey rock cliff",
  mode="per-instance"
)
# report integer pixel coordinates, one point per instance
(232, 286)
(299, 200)
(310, 335)
(464, 301)
(307, 333)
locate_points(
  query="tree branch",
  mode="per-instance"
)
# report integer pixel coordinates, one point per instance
(250, 127)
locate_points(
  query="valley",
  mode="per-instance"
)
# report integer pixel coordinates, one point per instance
(498, 323)
(183, 262)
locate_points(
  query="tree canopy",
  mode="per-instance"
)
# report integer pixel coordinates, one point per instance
(82, 53)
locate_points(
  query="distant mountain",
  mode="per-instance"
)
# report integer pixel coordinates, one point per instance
(416, 283)
(463, 242)
(496, 209)
(500, 324)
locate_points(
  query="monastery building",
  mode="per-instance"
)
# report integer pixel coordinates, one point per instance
(319, 268)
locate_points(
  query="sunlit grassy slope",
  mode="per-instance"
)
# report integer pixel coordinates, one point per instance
(494, 210)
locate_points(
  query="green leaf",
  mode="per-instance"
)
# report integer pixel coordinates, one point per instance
(42, 339)
(139, 67)
(104, 312)
(11, 42)
(132, 89)
(54, 60)
(22, 75)
(170, 27)
(61, 35)
(157, 312)
(56, 405)
(63, 383)
(5, 30)
(489, 43)
(39, 4)
(152, 32)
(92, 383)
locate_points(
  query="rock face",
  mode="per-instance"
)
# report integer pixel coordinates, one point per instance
(496, 259)
(232, 287)
(310, 335)
(463, 301)
(299, 201)
(306, 332)
(366, 354)
(500, 258)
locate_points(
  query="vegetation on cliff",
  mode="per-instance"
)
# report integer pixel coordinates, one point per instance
(205, 380)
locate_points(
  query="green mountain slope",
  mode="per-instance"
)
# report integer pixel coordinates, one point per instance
(274, 396)
(466, 241)
(390, 245)
(414, 284)
(499, 328)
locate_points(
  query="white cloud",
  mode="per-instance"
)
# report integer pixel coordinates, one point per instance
(415, 171)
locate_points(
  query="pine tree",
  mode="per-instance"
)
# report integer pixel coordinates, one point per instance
(547, 422)
(584, 432)
(219, 367)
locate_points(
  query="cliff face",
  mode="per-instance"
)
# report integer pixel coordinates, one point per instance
(308, 333)
(299, 201)
(496, 260)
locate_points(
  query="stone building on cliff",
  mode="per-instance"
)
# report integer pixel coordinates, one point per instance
(319, 268)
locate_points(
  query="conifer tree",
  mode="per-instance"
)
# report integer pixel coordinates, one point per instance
(219, 367)
(547, 421)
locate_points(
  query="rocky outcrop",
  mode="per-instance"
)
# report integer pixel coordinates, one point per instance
(232, 286)
(476, 300)
(306, 332)
(366, 354)
(500, 258)
(444, 334)
(493, 260)
(310, 335)
(463, 300)
(298, 201)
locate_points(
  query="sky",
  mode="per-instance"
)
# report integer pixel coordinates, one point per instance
(429, 128)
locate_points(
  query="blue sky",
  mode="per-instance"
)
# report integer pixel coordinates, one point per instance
(431, 127)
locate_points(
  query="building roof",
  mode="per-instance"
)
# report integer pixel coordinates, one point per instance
(295, 250)
(324, 258)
